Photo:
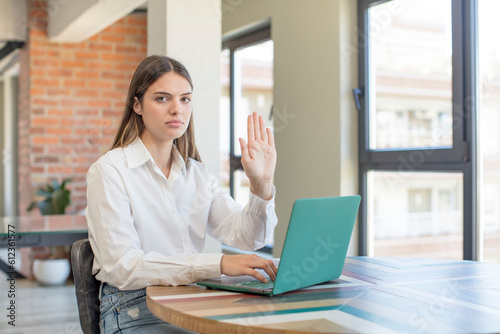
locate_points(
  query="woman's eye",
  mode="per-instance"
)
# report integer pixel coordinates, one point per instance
(186, 99)
(161, 99)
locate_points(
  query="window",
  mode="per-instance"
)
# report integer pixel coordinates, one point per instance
(417, 129)
(247, 86)
(488, 74)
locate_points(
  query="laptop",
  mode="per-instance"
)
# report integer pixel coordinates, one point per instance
(314, 251)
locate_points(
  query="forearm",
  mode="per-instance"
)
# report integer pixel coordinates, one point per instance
(136, 270)
(248, 228)
(262, 189)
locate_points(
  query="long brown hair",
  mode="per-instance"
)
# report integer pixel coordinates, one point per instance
(132, 126)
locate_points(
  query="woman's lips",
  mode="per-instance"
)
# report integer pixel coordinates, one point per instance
(174, 123)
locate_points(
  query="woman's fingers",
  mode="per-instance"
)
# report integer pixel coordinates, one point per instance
(269, 267)
(256, 128)
(236, 265)
(270, 137)
(244, 148)
(263, 129)
(250, 128)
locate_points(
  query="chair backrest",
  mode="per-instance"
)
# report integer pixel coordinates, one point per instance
(86, 286)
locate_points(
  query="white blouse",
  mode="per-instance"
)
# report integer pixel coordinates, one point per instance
(145, 229)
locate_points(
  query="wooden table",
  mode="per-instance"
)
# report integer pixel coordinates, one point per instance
(374, 295)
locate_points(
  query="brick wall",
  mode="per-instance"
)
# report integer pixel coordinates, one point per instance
(71, 101)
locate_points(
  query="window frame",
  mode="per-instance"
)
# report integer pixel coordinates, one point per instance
(461, 157)
(233, 44)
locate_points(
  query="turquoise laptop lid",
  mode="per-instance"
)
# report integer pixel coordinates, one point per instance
(316, 242)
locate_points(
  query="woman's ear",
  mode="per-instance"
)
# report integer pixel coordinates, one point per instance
(137, 106)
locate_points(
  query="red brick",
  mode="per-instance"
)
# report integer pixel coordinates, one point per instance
(44, 121)
(87, 93)
(100, 46)
(86, 55)
(45, 82)
(65, 73)
(102, 122)
(126, 67)
(48, 159)
(61, 112)
(44, 140)
(113, 75)
(45, 102)
(73, 141)
(53, 53)
(101, 66)
(87, 74)
(74, 83)
(38, 149)
(112, 38)
(87, 112)
(100, 84)
(46, 62)
(114, 95)
(37, 92)
(59, 91)
(38, 111)
(99, 103)
(59, 131)
(37, 170)
(136, 19)
(60, 169)
(73, 63)
(59, 150)
(37, 72)
(125, 30)
(126, 48)
(87, 132)
(113, 57)
(37, 131)
(73, 103)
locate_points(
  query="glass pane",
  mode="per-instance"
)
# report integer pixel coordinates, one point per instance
(488, 125)
(410, 72)
(415, 214)
(241, 187)
(224, 120)
(253, 79)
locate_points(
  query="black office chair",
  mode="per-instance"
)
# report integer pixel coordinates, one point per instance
(86, 286)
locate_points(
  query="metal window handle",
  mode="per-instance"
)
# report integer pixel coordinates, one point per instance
(357, 92)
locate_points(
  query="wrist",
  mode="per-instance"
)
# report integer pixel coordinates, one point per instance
(262, 189)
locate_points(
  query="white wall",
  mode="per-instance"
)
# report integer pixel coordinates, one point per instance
(189, 31)
(315, 69)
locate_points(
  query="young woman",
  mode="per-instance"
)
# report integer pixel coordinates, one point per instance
(151, 201)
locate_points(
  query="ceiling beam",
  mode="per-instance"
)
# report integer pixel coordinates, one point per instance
(76, 21)
(13, 20)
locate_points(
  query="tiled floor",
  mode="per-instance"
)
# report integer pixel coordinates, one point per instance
(39, 309)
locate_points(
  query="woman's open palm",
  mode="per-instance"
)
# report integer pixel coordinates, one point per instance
(258, 157)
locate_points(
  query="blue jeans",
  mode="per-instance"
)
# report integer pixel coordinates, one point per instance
(126, 312)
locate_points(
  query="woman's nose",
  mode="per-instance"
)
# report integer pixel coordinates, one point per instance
(175, 107)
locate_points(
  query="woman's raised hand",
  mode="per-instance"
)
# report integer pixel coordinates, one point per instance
(258, 157)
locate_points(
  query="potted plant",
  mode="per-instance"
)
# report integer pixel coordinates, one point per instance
(53, 199)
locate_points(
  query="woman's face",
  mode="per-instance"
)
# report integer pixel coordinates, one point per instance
(165, 108)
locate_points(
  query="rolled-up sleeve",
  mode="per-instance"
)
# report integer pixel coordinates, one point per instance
(247, 228)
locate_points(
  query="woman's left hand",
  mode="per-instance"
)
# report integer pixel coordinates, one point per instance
(258, 157)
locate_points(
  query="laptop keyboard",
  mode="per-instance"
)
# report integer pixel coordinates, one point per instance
(256, 284)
